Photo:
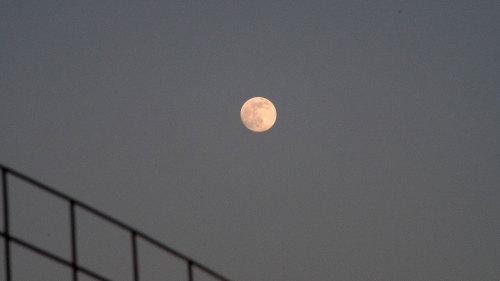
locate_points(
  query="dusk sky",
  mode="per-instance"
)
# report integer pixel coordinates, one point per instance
(383, 163)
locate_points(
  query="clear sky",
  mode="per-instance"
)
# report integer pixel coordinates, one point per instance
(383, 163)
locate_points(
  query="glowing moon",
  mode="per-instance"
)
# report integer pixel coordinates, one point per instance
(258, 114)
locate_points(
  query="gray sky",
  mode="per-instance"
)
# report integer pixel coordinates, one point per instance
(382, 165)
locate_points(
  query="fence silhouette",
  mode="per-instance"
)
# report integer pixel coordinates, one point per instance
(73, 263)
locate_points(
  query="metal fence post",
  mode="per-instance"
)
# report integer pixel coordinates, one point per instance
(74, 260)
(134, 256)
(190, 270)
(6, 225)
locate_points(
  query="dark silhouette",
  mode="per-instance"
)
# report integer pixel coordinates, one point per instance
(73, 263)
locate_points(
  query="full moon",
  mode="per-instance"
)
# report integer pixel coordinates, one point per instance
(258, 114)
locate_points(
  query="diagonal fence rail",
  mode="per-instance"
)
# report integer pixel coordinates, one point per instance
(73, 263)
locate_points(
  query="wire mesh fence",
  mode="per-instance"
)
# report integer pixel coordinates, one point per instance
(78, 271)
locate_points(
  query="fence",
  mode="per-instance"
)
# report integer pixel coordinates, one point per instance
(72, 263)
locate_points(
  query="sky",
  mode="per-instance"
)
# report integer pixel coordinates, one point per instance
(382, 164)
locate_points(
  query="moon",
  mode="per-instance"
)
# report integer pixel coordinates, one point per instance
(258, 114)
